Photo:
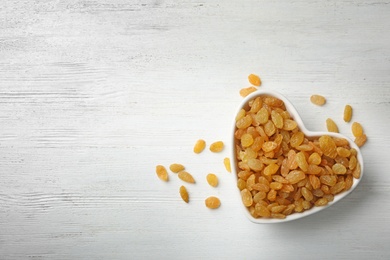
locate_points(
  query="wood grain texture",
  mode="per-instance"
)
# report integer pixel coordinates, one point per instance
(94, 94)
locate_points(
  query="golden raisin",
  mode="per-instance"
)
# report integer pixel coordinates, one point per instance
(176, 167)
(262, 116)
(296, 139)
(306, 193)
(212, 202)
(162, 172)
(271, 196)
(318, 100)
(273, 102)
(246, 91)
(357, 171)
(275, 185)
(199, 146)
(331, 126)
(246, 197)
(321, 202)
(256, 105)
(338, 168)
(244, 122)
(226, 162)
(184, 194)
(262, 211)
(185, 176)
(289, 125)
(352, 162)
(328, 146)
(212, 179)
(301, 161)
(315, 158)
(277, 119)
(255, 164)
(269, 146)
(295, 176)
(216, 147)
(361, 140)
(357, 129)
(254, 80)
(269, 128)
(271, 169)
(337, 188)
(343, 152)
(314, 181)
(347, 113)
(246, 140)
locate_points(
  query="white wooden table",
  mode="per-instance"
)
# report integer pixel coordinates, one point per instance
(95, 94)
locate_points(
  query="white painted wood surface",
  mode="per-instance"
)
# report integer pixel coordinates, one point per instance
(94, 94)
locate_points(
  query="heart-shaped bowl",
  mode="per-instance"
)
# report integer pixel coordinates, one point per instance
(308, 134)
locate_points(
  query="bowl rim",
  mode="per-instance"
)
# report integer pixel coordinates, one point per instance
(296, 116)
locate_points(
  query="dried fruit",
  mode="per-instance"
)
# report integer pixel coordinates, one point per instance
(246, 91)
(347, 113)
(262, 211)
(255, 164)
(269, 128)
(357, 129)
(301, 161)
(162, 172)
(328, 146)
(297, 139)
(276, 185)
(314, 169)
(361, 140)
(246, 197)
(315, 159)
(289, 125)
(331, 126)
(244, 122)
(321, 202)
(339, 168)
(212, 179)
(271, 169)
(199, 146)
(262, 116)
(337, 188)
(271, 196)
(216, 147)
(318, 100)
(246, 140)
(277, 119)
(212, 202)
(295, 176)
(256, 105)
(315, 182)
(226, 162)
(184, 194)
(185, 176)
(254, 80)
(356, 173)
(329, 180)
(343, 152)
(176, 167)
(306, 193)
(269, 146)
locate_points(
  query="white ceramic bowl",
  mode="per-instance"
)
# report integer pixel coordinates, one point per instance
(294, 114)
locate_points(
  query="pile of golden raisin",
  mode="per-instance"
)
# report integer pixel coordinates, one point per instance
(280, 170)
